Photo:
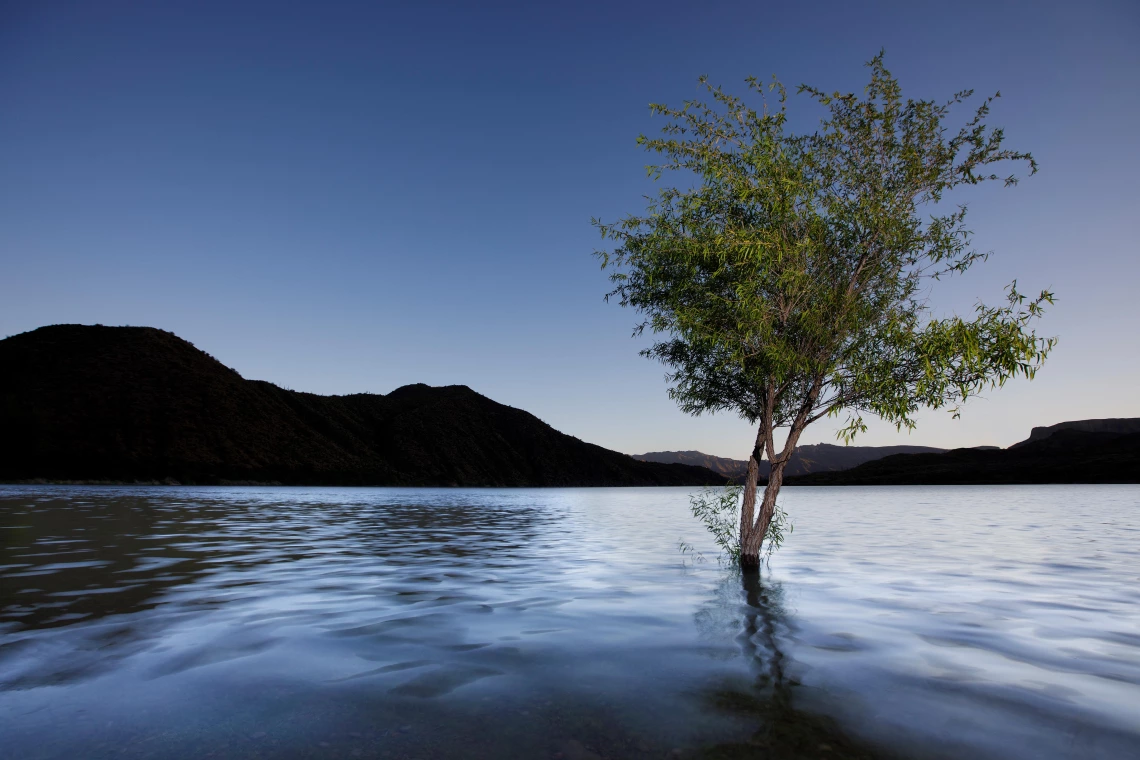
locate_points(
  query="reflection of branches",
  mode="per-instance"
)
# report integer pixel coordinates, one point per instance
(784, 731)
(750, 627)
(758, 639)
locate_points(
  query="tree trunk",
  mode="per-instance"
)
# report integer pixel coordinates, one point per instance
(751, 545)
(748, 509)
(752, 540)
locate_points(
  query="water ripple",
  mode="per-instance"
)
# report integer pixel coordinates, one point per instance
(936, 622)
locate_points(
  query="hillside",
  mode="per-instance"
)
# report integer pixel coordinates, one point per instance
(1113, 425)
(1066, 455)
(819, 457)
(136, 403)
(729, 468)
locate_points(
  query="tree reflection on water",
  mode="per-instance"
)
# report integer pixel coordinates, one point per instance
(752, 608)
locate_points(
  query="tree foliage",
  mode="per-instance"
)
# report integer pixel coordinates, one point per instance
(786, 277)
(718, 509)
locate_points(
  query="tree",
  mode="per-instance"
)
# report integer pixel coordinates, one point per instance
(787, 276)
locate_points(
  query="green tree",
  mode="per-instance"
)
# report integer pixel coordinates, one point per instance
(787, 276)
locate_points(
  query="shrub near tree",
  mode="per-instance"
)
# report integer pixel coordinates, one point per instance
(786, 276)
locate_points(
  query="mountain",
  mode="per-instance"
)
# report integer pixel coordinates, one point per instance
(136, 403)
(827, 457)
(1067, 455)
(1115, 425)
(729, 468)
(819, 457)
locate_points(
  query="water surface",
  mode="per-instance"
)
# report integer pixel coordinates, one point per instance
(987, 622)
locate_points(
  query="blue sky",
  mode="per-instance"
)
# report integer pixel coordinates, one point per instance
(344, 197)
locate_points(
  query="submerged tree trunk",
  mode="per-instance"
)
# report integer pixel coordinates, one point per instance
(752, 537)
(751, 480)
(749, 545)
(753, 542)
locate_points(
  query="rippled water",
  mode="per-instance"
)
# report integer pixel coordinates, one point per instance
(244, 622)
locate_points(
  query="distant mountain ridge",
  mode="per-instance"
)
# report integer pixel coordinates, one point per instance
(1077, 451)
(1104, 451)
(1110, 425)
(819, 457)
(729, 468)
(137, 403)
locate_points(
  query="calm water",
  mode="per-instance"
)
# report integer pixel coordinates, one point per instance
(896, 622)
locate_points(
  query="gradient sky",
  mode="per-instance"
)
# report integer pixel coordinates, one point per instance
(347, 197)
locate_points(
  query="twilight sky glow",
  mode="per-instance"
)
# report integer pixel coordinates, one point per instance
(352, 197)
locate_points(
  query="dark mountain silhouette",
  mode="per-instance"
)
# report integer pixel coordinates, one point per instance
(1114, 425)
(819, 457)
(136, 403)
(729, 468)
(1067, 455)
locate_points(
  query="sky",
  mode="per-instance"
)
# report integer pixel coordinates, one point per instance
(350, 197)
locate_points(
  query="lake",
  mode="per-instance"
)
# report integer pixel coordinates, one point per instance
(938, 622)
